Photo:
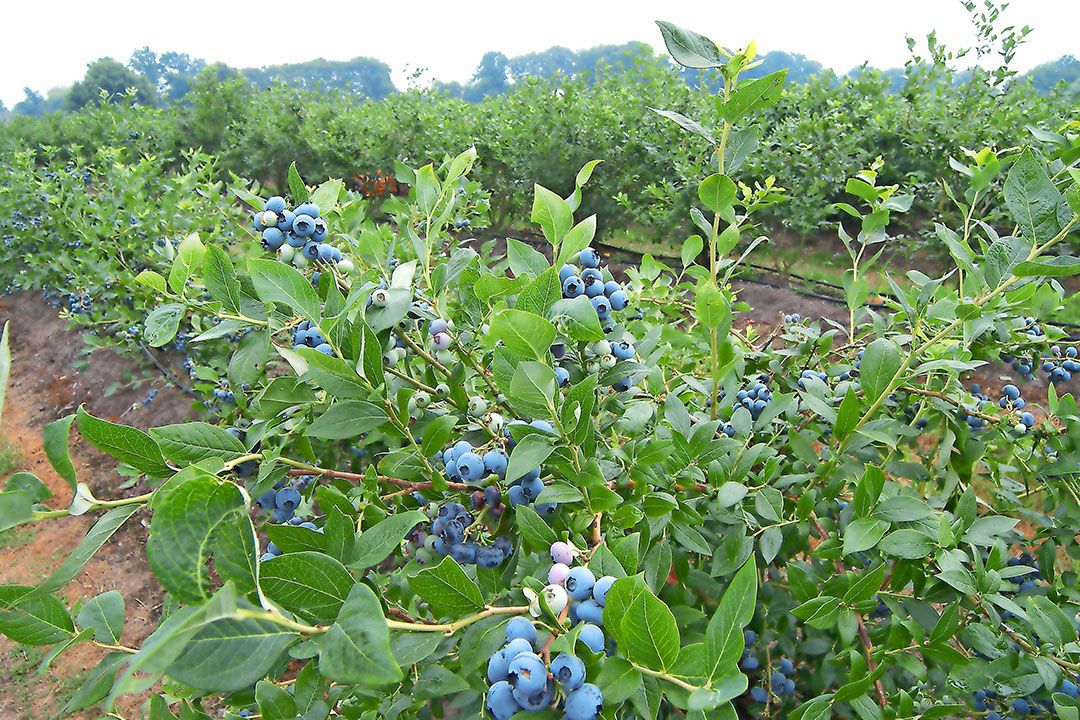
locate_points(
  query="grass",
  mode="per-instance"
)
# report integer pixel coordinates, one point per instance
(21, 682)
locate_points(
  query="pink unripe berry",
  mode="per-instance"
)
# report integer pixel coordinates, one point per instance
(557, 573)
(562, 553)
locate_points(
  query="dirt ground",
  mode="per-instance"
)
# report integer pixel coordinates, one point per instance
(43, 387)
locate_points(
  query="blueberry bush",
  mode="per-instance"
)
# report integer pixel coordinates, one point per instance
(447, 482)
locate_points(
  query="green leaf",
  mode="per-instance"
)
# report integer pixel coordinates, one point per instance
(326, 196)
(1049, 621)
(906, 543)
(275, 703)
(152, 280)
(16, 508)
(347, 419)
(534, 530)
(190, 443)
(98, 682)
(691, 248)
(524, 260)
(712, 309)
(276, 282)
(201, 518)
(126, 444)
(189, 258)
(105, 615)
(378, 541)
(753, 95)
(580, 318)
(579, 238)
(880, 362)
(32, 619)
(724, 642)
(447, 589)
(55, 441)
(249, 358)
(649, 633)
(866, 586)
(863, 533)
(524, 334)
(1003, 257)
(220, 279)
(230, 653)
(94, 539)
(1062, 266)
(539, 295)
(332, 374)
(162, 324)
(532, 389)
(618, 680)
(356, 648)
(551, 213)
(690, 49)
(297, 188)
(847, 416)
(310, 585)
(688, 124)
(717, 192)
(1032, 198)
(528, 454)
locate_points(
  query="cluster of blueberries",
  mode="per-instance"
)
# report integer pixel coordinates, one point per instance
(446, 535)
(806, 374)
(792, 318)
(606, 297)
(780, 681)
(580, 593)
(522, 681)
(1010, 400)
(281, 502)
(464, 463)
(1024, 582)
(223, 393)
(272, 550)
(1061, 366)
(307, 334)
(298, 236)
(600, 355)
(985, 700)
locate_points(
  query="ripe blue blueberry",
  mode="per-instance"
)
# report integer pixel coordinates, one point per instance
(619, 300)
(303, 225)
(309, 209)
(759, 695)
(320, 231)
(585, 703)
(622, 385)
(567, 271)
(293, 240)
(311, 251)
(275, 204)
(610, 287)
(593, 637)
(287, 498)
(749, 637)
(1011, 391)
(602, 306)
(536, 701)
(285, 220)
(489, 557)
(601, 588)
(500, 701)
(572, 287)
(495, 462)
(579, 583)
(272, 239)
(569, 671)
(1021, 706)
(520, 627)
(492, 496)
(786, 666)
(562, 376)
(1028, 419)
(592, 276)
(749, 663)
(464, 553)
(462, 446)
(543, 426)
(470, 466)
(590, 611)
(622, 350)
(325, 349)
(325, 252)
(514, 648)
(527, 674)
(532, 488)
(517, 496)
(497, 668)
(589, 258)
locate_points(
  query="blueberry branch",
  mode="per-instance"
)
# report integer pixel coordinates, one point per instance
(451, 628)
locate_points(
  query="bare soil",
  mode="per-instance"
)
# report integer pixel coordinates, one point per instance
(43, 387)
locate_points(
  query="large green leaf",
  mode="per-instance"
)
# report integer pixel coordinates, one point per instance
(201, 518)
(126, 444)
(348, 419)
(193, 442)
(1032, 198)
(230, 653)
(55, 438)
(220, 279)
(105, 615)
(310, 585)
(690, 49)
(880, 361)
(276, 282)
(94, 539)
(724, 642)
(524, 334)
(649, 633)
(375, 543)
(356, 648)
(447, 589)
(33, 619)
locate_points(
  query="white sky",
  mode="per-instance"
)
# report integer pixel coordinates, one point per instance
(49, 42)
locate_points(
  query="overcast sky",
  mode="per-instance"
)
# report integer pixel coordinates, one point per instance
(49, 42)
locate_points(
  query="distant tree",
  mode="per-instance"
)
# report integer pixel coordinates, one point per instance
(492, 77)
(365, 77)
(1047, 76)
(170, 73)
(35, 104)
(114, 78)
(548, 63)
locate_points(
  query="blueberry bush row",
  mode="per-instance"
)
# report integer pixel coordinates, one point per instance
(457, 483)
